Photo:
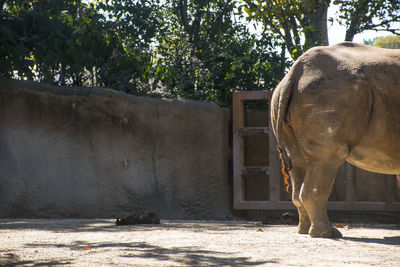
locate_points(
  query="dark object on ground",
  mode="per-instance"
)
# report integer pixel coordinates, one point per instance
(139, 218)
(287, 217)
(290, 218)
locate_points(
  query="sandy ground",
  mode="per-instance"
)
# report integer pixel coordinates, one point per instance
(98, 242)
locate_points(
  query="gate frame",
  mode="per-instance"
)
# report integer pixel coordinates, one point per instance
(273, 169)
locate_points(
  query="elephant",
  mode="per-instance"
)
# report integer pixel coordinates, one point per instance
(337, 103)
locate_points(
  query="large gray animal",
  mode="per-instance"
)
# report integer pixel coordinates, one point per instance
(338, 103)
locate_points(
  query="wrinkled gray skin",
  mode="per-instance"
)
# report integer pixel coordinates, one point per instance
(338, 103)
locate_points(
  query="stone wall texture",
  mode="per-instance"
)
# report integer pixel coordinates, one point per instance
(93, 152)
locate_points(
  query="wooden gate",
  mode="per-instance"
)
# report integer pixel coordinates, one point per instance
(274, 189)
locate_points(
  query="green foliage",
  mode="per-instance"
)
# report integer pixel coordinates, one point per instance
(211, 59)
(72, 43)
(180, 48)
(392, 42)
(51, 40)
(303, 24)
(362, 15)
(132, 28)
(370, 41)
(299, 24)
(196, 49)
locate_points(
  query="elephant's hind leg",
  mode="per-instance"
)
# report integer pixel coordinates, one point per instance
(297, 178)
(297, 174)
(318, 183)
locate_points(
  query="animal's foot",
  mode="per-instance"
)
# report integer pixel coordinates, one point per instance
(330, 232)
(303, 228)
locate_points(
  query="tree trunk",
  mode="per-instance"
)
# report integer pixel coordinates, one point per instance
(283, 60)
(350, 33)
(356, 18)
(315, 23)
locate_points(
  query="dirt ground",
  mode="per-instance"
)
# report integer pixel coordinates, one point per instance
(98, 242)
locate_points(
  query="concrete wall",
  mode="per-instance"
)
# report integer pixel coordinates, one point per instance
(81, 152)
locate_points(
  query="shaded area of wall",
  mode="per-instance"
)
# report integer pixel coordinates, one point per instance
(82, 152)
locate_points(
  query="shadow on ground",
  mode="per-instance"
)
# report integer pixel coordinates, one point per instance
(178, 255)
(192, 255)
(10, 259)
(391, 240)
(108, 225)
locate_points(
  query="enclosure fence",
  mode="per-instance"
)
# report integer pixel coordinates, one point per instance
(273, 189)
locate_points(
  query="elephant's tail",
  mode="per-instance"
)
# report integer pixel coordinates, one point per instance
(279, 107)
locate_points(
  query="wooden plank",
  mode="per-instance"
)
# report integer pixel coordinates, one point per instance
(273, 170)
(332, 205)
(255, 170)
(252, 131)
(349, 182)
(358, 205)
(397, 187)
(390, 188)
(237, 149)
(265, 205)
(238, 143)
(274, 167)
(253, 95)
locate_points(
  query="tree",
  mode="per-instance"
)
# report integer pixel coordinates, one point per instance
(362, 15)
(48, 40)
(303, 24)
(291, 20)
(370, 41)
(392, 42)
(66, 42)
(206, 52)
(190, 48)
(132, 29)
